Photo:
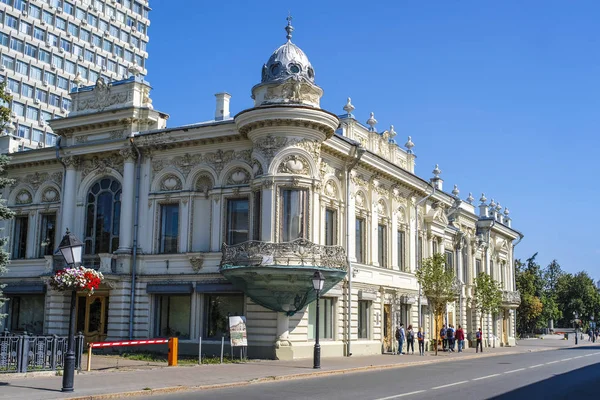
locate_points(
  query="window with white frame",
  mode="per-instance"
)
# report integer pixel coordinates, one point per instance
(169, 228)
(326, 318)
(330, 227)
(172, 316)
(360, 239)
(382, 245)
(364, 318)
(103, 212)
(19, 237)
(238, 224)
(293, 214)
(47, 234)
(401, 251)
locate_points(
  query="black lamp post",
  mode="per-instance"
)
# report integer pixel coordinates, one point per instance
(317, 280)
(70, 248)
(576, 316)
(593, 328)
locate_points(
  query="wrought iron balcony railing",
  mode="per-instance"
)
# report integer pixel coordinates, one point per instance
(299, 252)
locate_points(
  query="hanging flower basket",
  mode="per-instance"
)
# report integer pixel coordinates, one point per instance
(78, 278)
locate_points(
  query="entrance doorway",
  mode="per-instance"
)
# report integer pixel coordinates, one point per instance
(388, 329)
(92, 315)
(505, 328)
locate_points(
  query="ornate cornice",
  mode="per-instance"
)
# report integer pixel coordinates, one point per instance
(325, 129)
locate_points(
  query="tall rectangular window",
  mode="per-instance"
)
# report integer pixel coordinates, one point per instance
(47, 234)
(381, 245)
(359, 245)
(492, 275)
(477, 267)
(218, 309)
(172, 317)
(169, 228)
(330, 227)
(25, 314)
(19, 245)
(449, 260)
(325, 318)
(257, 218)
(465, 264)
(293, 214)
(434, 246)
(401, 253)
(237, 221)
(364, 307)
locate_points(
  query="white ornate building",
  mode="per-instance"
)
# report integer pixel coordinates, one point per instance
(287, 186)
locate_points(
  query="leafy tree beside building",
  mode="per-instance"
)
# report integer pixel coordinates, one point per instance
(488, 297)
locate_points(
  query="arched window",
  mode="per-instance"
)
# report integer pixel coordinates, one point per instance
(103, 214)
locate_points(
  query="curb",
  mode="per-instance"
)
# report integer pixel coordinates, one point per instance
(182, 388)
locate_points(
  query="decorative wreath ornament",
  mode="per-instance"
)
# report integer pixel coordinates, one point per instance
(78, 278)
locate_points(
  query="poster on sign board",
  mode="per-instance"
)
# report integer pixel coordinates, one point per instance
(237, 331)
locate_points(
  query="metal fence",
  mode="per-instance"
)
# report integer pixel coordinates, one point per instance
(25, 353)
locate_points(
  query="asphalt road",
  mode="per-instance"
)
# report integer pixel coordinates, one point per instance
(556, 374)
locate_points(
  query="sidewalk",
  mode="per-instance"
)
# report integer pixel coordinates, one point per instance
(110, 383)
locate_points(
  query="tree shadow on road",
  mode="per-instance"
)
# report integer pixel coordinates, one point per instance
(578, 383)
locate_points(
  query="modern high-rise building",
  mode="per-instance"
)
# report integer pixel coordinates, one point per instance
(48, 47)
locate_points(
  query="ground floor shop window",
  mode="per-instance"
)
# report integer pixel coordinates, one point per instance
(173, 316)
(217, 310)
(325, 319)
(364, 308)
(25, 314)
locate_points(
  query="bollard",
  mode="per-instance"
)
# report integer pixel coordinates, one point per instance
(200, 350)
(89, 360)
(173, 351)
(222, 344)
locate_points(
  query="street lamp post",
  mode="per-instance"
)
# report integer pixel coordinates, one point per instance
(593, 328)
(70, 248)
(317, 280)
(576, 316)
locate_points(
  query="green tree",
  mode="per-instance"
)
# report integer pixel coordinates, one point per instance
(530, 284)
(488, 296)
(5, 212)
(577, 293)
(438, 286)
(551, 312)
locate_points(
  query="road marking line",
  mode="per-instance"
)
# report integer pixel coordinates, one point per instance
(567, 359)
(401, 395)
(538, 365)
(515, 370)
(587, 355)
(575, 358)
(486, 377)
(448, 385)
(552, 362)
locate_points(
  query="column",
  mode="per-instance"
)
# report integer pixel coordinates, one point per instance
(215, 227)
(374, 235)
(68, 200)
(351, 222)
(267, 212)
(318, 215)
(412, 250)
(127, 201)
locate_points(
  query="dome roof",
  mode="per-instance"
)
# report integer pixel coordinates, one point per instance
(288, 61)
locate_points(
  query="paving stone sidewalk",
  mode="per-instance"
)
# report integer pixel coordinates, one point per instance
(143, 379)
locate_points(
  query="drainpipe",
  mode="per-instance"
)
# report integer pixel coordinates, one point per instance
(136, 216)
(417, 204)
(356, 154)
(515, 284)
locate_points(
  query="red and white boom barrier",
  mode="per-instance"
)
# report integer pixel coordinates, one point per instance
(172, 342)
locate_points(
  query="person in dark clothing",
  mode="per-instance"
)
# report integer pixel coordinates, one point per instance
(421, 339)
(410, 340)
(479, 344)
(443, 338)
(450, 337)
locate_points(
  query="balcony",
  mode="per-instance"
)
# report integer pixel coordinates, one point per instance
(511, 298)
(278, 275)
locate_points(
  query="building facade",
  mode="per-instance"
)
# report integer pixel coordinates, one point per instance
(49, 47)
(192, 224)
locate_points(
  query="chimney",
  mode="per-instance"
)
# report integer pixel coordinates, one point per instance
(222, 108)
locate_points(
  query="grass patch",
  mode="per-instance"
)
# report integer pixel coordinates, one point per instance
(182, 360)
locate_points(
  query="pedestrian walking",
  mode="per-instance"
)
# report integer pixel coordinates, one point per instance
(410, 340)
(450, 338)
(401, 337)
(421, 339)
(479, 345)
(443, 337)
(460, 337)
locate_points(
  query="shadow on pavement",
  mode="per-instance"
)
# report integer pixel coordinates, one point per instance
(28, 387)
(586, 347)
(578, 383)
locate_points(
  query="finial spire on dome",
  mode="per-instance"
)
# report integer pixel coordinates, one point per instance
(289, 28)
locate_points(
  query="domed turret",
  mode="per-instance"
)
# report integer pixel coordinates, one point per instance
(287, 77)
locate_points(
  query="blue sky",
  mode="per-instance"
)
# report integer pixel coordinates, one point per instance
(503, 95)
